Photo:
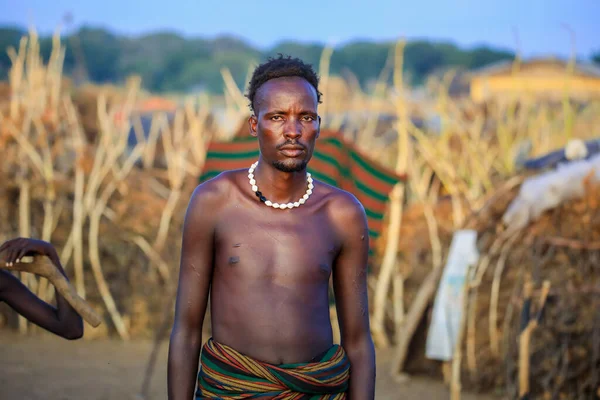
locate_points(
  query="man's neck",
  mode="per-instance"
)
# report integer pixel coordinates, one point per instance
(279, 186)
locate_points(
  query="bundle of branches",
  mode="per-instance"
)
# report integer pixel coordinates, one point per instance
(415, 258)
(531, 322)
(105, 202)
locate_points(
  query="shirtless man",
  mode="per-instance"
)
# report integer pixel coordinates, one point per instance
(267, 267)
(62, 320)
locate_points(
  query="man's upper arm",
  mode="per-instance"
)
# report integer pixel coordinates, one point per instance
(350, 270)
(196, 258)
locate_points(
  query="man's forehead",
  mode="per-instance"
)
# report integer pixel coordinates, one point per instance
(277, 87)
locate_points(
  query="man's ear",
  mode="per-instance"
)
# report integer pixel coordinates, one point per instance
(319, 128)
(252, 123)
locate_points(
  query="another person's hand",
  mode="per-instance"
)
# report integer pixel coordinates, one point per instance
(16, 249)
(61, 320)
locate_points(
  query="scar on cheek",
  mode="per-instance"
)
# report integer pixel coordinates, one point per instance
(234, 260)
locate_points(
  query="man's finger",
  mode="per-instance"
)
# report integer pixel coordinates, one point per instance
(21, 253)
(9, 256)
(5, 245)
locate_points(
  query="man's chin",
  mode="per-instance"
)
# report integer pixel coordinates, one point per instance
(290, 165)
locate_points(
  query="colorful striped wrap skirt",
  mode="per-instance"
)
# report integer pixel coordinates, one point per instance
(228, 374)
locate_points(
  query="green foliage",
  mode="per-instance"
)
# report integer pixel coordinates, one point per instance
(167, 61)
(9, 36)
(596, 57)
(364, 59)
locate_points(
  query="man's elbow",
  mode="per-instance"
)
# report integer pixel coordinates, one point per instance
(359, 344)
(74, 330)
(184, 336)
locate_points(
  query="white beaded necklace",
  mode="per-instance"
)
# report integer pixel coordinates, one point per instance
(277, 205)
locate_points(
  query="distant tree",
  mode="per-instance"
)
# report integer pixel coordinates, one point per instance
(310, 53)
(365, 59)
(100, 51)
(482, 56)
(167, 61)
(9, 37)
(422, 58)
(596, 57)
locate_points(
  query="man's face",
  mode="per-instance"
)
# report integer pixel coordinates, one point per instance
(286, 122)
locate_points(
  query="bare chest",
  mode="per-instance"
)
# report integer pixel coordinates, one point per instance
(279, 248)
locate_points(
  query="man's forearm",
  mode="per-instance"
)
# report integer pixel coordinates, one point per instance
(362, 371)
(184, 352)
(66, 314)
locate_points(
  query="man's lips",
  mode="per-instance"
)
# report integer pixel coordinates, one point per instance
(292, 150)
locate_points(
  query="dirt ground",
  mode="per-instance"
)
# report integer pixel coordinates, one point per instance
(50, 368)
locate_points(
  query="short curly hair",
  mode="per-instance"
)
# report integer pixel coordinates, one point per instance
(280, 67)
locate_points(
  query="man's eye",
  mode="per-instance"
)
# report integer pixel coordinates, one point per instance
(308, 118)
(276, 118)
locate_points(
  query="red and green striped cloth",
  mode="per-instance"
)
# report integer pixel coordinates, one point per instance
(228, 374)
(335, 161)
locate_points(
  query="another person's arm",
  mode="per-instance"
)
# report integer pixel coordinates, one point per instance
(62, 320)
(350, 286)
(192, 294)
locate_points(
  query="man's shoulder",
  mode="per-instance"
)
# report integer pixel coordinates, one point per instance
(213, 192)
(342, 205)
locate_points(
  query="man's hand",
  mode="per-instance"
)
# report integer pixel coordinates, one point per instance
(16, 249)
(62, 320)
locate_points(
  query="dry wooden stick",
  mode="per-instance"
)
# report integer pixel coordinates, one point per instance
(40, 83)
(233, 89)
(426, 292)
(488, 202)
(78, 205)
(43, 267)
(84, 200)
(528, 327)
(50, 200)
(15, 75)
(55, 69)
(415, 313)
(175, 154)
(94, 252)
(493, 318)
(396, 206)
(324, 72)
(471, 311)
(152, 254)
(455, 385)
(485, 261)
(150, 147)
(368, 133)
(571, 243)
(445, 172)
(197, 135)
(24, 230)
(398, 300)
(471, 332)
(98, 205)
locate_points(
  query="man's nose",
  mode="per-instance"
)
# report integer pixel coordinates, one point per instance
(293, 129)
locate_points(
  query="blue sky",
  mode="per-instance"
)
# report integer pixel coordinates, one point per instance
(540, 24)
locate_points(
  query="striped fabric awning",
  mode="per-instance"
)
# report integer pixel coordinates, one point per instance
(335, 161)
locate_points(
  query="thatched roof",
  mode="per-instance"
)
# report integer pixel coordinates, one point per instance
(505, 67)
